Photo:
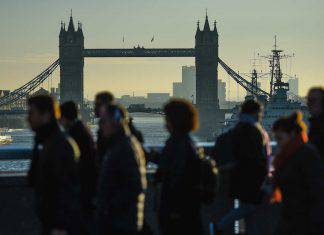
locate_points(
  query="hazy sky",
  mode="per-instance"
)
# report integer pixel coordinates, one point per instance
(29, 38)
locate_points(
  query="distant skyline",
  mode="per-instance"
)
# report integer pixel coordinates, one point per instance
(29, 39)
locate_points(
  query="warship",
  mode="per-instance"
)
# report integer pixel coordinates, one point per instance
(280, 101)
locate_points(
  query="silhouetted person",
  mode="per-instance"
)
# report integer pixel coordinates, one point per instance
(178, 172)
(53, 173)
(102, 99)
(250, 153)
(315, 102)
(88, 169)
(106, 98)
(122, 182)
(298, 178)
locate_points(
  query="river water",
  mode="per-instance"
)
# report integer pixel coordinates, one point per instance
(151, 125)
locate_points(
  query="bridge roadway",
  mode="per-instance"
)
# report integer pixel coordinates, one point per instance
(140, 52)
(17, 202)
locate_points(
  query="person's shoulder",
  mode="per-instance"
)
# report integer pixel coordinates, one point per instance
(225, 136)
(68, 143)
(246, 128)
(308, 153)
(308, 149)
(191, 143)
(81, 128)
(63, 144)
(241, 126)
(59, 139)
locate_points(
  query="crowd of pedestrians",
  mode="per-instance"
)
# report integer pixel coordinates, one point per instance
(87, 187)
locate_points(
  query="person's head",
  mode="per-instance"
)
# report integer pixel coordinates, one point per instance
(286, 129)
(103, 98)
(69, 113)
(253, 108)
(181, 116)
(112, 119)
(315, 101)
(42, 110)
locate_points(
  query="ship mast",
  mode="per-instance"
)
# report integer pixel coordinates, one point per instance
(255, 75)
(276, 82)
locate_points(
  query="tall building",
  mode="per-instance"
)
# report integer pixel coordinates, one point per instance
(186, 89)
(293, 85)
(71, 44)
(221, 93)
(189, 82)
(178, 91)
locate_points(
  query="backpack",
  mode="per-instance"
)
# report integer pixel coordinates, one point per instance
(208, 185)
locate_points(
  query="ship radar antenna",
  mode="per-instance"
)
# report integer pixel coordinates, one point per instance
(275, 45)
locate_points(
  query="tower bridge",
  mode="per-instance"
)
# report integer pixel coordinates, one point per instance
(205, 52)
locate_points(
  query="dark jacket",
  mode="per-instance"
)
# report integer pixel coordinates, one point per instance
(222, 151)
(250, 169)
(54, 176)
(316, 133)
(122, 186)
(102, 141)
(88, 168)
(101, 147)
(179, 173)
(301, 181)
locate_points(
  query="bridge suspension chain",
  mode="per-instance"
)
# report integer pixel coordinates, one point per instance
(29, 87)
(248, 86)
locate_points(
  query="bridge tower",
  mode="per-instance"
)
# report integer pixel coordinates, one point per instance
(71, 45)
(206, 59)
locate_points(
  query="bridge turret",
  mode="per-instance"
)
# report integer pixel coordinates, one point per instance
(71, 46)
(79, 33)
(62, 33)
(71, 24)
(80, 28)
(198, 32)
(206, 25)
(215, 28)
